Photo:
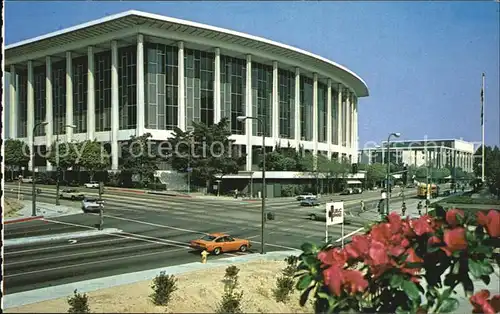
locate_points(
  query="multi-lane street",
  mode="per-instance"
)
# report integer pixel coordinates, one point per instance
(155, 230)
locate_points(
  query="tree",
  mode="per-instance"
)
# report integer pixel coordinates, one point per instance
(16, 155)
(139, 159)
(93, 157)
(283, 159)
(491, 167)
(440, 174)
(376, 172)
(67, 153)
(206, 149)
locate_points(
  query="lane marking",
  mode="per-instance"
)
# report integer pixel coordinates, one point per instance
(350, 234)
(59, 246)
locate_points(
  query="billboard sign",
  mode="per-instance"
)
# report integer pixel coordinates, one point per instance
(334, 213)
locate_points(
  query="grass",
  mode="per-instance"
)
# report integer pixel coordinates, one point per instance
(468, 200)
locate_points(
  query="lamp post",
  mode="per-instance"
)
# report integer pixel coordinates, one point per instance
(57, 162)
(33, 155)
(263, 205)
(389, 169)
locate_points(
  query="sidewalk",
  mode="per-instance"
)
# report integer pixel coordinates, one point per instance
(43, 210)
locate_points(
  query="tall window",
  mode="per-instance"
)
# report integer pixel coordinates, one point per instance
(161, 86)
(286, 92)
(306, 108)
(344, 119)
(127, 92)
(335, 119)
(232, 89)
(262, 97)
(39, 89)
(322, 114)
(199, 86)
(22, 112)
(80, 70)
(59, 97)
(102, 77)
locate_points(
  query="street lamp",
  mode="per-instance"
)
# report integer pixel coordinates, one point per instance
(263, 206)
(33, 155)
(389, 169)
(57, 162)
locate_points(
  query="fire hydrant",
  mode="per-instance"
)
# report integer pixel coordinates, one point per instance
(204, 255)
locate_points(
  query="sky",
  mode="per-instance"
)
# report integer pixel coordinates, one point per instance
(422, 61)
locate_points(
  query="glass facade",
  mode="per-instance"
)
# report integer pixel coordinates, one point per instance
(80, 69)
(40, 103)
(262, 97)
(199, 86)
(232, 89)
(306, 108)
(59, 97)
(286, 94)
(322, 114)
(102, 77)
(335, 119)
(161, 86)
(22, 100)
(127, 89)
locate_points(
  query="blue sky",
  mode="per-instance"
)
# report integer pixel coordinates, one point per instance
(422, 61)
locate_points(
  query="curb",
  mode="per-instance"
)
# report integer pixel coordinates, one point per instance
(168, 194)
(62, 291)
(59, 237)
(22, 219)
(126, 190)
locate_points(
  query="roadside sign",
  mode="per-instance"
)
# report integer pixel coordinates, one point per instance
(334, 213)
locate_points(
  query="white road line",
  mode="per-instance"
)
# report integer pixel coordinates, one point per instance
(350, 234)
(153, 224)
(89, 263)
(59, 246)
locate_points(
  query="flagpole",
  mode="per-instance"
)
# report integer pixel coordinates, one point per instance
(482, 129)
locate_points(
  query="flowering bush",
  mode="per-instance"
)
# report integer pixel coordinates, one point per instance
(385, 269)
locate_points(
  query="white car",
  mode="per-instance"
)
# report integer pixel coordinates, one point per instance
(92, 185)
(71, 194)
(91, 204)
(27, 180)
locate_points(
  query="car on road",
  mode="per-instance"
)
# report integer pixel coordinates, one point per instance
(357, 190)
(306, 196)
(317, 214)
(217, 243)
(309, 202)
(71, 194)
(27, 180)
(92, 185)
(346, 192)
(92, 205)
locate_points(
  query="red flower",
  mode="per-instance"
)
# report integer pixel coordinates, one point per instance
(358, 247)
(455, 240)
(381, 232)
(413, 257)
(395, 222)
(333, 278)
(433, 240)
(354, 281)
(334, 256)
(451, 216)
(491, 222)
(422, 225)
(481, 303)
(378, 253)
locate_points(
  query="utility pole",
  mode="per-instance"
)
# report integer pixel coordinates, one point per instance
(427, 188)
(101, 206)
(482, 129)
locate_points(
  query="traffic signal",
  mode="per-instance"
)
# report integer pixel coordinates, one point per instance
(405, 175)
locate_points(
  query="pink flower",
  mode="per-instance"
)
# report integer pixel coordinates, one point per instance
(451, 216)
(378, 253)
(422, 225)
(491, 222)
(481, 303)
(455, 240)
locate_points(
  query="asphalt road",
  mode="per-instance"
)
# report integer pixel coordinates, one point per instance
(156, 230)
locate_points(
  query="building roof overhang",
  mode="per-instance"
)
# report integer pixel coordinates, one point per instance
(128, 23)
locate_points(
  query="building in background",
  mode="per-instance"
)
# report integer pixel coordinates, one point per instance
(441, 153)
(134, 72)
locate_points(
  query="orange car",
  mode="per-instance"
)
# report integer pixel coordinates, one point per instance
(217, 243)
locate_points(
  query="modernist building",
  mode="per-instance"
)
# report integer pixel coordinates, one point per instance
(435, 153)
(135, 72)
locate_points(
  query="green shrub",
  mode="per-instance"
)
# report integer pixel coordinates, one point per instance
(469, 200)
(231, 300)
(78, 303)
(163, 287)
(285, 283)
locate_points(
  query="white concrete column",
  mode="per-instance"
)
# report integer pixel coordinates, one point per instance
(297, 108)
(348, 119)
(329, 127)
(69, 96)
(48, 107)
(13, 103)
(217, 108)
(114, 106)
(181, 123)
(315, 113)
(276, 110)
(90, 94)
(140, 106)
(248, 109)
(31, 111)
(355, 122)
(339, 120)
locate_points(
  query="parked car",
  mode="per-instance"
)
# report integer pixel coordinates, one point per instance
(306, 196)
(218, 243)
(92, 185)
(92, 204)
(346, 192)
(317, 214)
(309, 202)
(27, 180)
(357, 190)
(71, 194)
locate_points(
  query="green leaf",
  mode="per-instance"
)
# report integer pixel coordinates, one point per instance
(411, 290)
(310, 261)
(400, 310)
(305, 295)
(486, 268)
(304, 282)
(456, 268)
(323, 295)
(432, 249)
(486, 279)
(307, 247)
(475, 268)
(396, 281)
(449, 305)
